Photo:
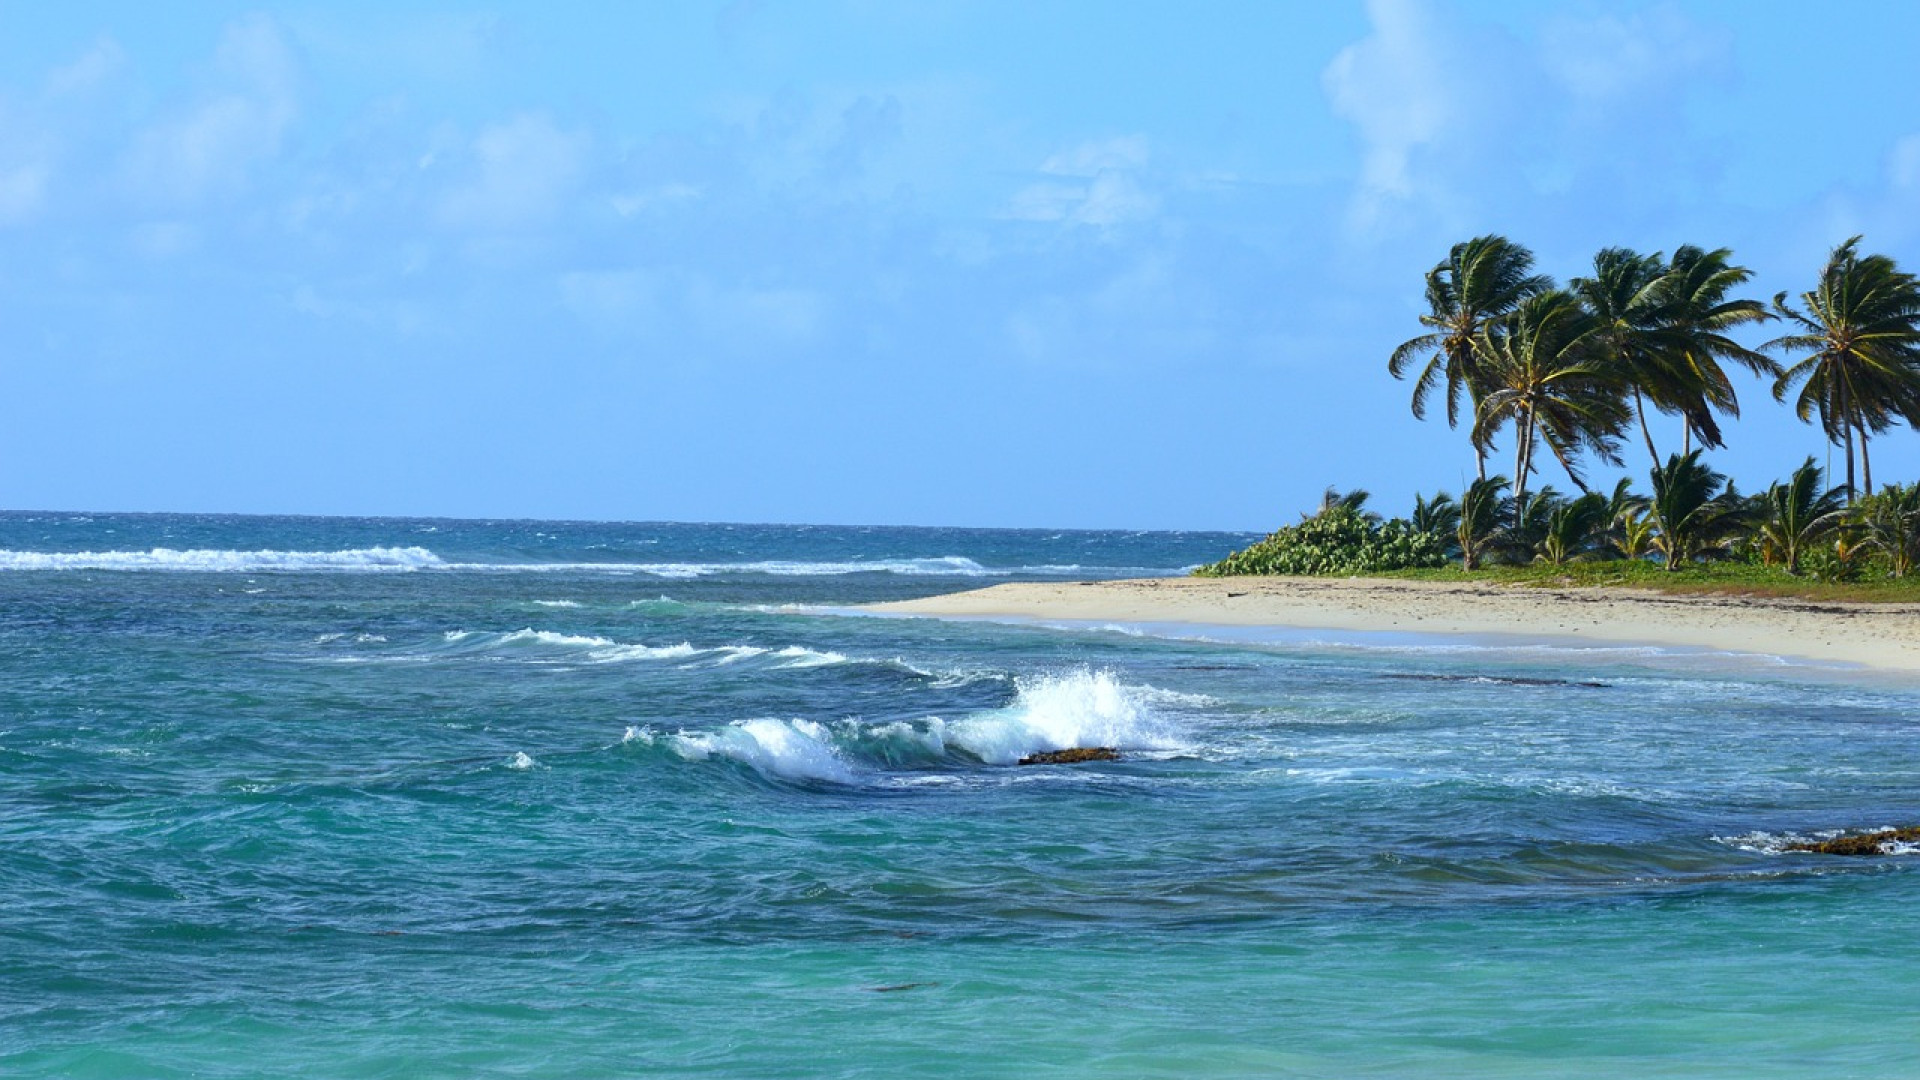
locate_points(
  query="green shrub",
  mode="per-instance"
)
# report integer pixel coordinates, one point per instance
(1338, 541)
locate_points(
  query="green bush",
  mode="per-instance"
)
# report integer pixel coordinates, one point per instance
(1338, 541)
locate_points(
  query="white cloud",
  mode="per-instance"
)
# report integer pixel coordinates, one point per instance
(1101, 156)
(1643, 54)
(212, 144)
(522, 172)
(1397, 87)
(1466, 124)
(1099, 184)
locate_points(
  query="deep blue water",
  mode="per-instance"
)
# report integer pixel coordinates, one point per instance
(339, 797)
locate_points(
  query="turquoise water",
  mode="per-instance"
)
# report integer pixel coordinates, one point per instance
(411, 798)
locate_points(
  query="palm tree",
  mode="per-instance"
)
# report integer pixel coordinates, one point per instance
(1698, 313)
(1575, 528)
(1479, 282)
(1622, 298)
(1439, 516)
(1483, 507)
(1664, 327)
(1334, 500)
(1890, 523)
(1691, 510)
(1630, 526)
(1860, 336)
(1529, 529)
(1543, 368)
(1799, 514)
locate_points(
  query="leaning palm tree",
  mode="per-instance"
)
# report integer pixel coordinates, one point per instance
(1544, 370)
(1623, 298)
(1691, 509)
(1859, 347)
(1799, 514)
(1697, 314)
(1480, 281)
(1664, 327)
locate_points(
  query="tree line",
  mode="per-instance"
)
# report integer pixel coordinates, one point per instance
(1576, 370)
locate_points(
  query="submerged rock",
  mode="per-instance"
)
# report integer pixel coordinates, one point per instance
(1072, 757)
(1873, 843)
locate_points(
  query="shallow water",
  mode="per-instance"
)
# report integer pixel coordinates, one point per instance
(410, 798)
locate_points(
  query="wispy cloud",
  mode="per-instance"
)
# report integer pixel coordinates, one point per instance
(517, 173)
(1099, 183)
(211, 144)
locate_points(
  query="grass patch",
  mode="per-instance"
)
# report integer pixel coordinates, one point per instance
(1722, 579)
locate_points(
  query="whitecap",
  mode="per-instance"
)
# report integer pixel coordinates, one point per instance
(1065, 711)
(373, 559)
(799, 656)
(794, 749)
(520, 760)
(548, 637)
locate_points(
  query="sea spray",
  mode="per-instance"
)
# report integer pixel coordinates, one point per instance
(1064, 711)
(793, 749)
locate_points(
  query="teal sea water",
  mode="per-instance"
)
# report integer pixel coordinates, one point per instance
(398, 798)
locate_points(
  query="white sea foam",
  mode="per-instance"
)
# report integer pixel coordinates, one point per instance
(1779, 843)
(799, 656)
(557, 603)
(614, 654)
(520, 760)
(548, 637)
(413, 558)
(373, 559)
(1061, 712)
(795, 749)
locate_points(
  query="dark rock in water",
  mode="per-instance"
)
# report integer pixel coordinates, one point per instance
(1072, 757)
(1861, 843)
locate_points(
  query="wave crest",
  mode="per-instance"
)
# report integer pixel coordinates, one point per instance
(373, 559)
(1061, 712)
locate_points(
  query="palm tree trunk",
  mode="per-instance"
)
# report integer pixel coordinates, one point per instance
(1646, 432)
(1522, 465)
(1848, 428)
(1866, 467)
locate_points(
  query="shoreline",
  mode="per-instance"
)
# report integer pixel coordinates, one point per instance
(1884, 637)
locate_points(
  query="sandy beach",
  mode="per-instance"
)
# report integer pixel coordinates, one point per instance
(1884, 636)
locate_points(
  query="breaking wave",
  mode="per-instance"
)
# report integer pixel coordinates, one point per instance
(399, 559)
(364, 560)
(1056, 712)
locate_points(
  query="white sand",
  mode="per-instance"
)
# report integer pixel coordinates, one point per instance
(1874, 635)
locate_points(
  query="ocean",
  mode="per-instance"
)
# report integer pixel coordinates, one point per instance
(412, 798)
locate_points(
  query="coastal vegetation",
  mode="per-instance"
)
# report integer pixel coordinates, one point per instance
(1576, 371)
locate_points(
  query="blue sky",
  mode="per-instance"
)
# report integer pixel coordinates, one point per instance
(1073, 264)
